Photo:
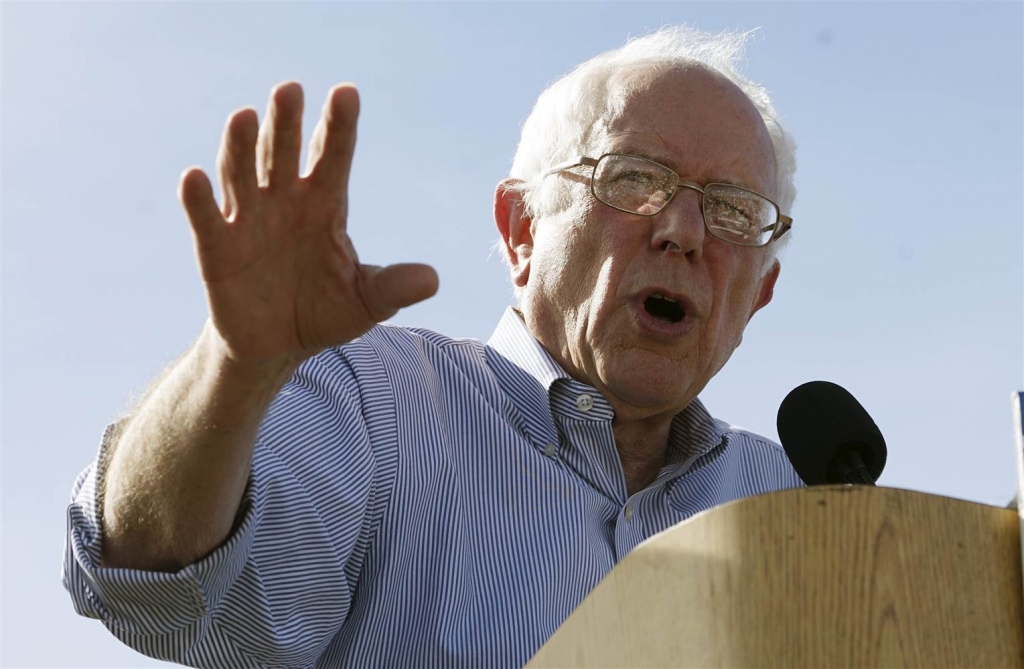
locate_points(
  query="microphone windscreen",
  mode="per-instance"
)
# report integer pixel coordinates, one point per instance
(817, 421)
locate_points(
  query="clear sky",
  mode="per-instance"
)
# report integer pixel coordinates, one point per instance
(902, 282)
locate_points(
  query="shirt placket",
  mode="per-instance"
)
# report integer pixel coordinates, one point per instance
(584, 421)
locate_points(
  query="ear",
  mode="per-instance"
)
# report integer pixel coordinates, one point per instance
(516, 230)
(767, 289)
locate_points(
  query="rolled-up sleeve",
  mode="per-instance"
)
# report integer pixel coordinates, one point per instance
(280, 587)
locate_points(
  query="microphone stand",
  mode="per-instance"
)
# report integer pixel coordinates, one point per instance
(849, 468)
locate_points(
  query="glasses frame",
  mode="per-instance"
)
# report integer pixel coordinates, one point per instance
(780, 227)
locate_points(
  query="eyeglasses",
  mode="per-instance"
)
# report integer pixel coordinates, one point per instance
(640, 186)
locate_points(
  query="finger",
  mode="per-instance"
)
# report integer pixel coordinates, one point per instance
(236, 163)
(196, 195)
(334, 141)
(280, 138)
(388, 289)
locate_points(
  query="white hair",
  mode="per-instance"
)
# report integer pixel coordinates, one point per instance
(563, 122)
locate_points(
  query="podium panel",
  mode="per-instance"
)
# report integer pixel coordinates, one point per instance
(830, 576)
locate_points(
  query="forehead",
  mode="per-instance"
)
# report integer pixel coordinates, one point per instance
(695, 121)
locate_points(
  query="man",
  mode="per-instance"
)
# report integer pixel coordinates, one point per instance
(306, 487)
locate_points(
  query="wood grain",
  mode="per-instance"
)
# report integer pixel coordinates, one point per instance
(831, 576)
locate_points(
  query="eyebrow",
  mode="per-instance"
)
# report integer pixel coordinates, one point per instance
(657, 157)
(666, 160)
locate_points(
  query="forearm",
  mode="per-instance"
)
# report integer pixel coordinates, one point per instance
(177, 472)
(283, 283)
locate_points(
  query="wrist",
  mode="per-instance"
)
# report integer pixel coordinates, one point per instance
(267, 374)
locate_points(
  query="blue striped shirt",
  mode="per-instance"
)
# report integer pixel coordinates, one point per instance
(415, 501)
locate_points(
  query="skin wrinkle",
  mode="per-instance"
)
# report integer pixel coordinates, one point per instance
(588, 262)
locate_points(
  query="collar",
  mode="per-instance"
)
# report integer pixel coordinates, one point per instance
(526, 372)
(514, 341)
(694, 432)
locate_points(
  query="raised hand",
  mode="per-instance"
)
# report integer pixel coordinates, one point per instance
(283, 281)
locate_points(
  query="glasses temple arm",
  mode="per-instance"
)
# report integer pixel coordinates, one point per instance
(576, 162)
(780, 228)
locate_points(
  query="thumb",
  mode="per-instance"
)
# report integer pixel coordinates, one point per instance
(394, 287)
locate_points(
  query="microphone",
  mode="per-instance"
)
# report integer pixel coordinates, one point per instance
(829, 437)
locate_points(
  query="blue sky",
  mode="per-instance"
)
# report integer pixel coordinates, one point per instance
(903, 280)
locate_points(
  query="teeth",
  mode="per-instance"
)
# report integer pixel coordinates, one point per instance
(662, 297)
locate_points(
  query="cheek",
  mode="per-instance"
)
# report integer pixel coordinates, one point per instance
(560, 260)
(582, 259)
(614, 256)
(735, 287)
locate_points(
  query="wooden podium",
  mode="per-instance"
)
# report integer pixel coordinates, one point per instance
(829, 576)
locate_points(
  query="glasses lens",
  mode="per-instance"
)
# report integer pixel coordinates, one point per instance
(738, 215)
(633, 184)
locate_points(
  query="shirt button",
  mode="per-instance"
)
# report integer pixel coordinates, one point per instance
(584, 402)
(628, 512)
(549, 450)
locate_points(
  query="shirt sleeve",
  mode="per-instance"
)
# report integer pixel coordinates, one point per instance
(281, 586)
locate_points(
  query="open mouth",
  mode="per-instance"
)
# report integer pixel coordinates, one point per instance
(664, 309)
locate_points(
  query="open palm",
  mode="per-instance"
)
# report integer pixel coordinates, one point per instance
(282, 278)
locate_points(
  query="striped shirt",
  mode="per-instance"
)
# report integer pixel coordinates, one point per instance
(415, 501)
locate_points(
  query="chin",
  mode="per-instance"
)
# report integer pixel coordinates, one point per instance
(650, 382)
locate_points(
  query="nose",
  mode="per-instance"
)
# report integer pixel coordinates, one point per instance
(679, 227)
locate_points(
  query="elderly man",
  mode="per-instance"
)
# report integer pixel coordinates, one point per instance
(306, 487)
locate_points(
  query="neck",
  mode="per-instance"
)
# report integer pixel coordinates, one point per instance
(643, 447)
